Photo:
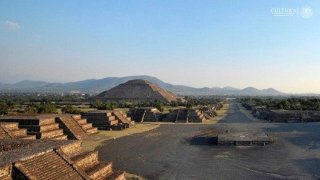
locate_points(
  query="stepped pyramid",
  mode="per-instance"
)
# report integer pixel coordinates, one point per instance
(43, 127)
(109, 119)
(185, 115)
(137, 90)
(52, 160)
(12, 131)
(145, 114)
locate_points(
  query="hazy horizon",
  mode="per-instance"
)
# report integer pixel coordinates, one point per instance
(193, 43)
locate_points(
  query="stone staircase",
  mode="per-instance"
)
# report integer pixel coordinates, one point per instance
(122, 117)
(12, 131)
(185, 116)
(70, 127)
(105, 120)
(43, 127)
(196, 115)
(87, 127)
(52, 160)
(87, 163)
(48, 165)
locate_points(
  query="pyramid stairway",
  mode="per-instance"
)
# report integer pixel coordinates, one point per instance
(185, 116)
(108, 120)
(87, 163)
(53, 160)
(122, 117)
(87, 127)
(42, 127)
(12, 131)
(75, 127)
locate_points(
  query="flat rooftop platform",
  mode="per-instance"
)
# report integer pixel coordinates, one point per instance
(243, 138)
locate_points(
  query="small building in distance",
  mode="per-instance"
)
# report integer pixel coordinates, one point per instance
(137, 90)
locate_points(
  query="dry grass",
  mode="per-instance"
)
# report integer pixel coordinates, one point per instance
(220, 114)
(96, 140)
(133, 177)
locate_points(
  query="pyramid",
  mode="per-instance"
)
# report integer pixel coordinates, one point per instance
(137, 90)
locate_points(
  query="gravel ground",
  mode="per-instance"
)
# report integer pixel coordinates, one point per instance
(167, 152)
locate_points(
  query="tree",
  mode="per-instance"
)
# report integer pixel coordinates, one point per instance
(70, 109)
(47, 107)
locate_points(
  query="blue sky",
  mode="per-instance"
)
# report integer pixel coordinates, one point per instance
(197, 43)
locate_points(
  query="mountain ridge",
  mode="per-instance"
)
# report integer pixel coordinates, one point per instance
(95, 86)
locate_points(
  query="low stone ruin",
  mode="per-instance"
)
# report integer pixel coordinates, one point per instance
(109, 120)
(43, 127)
(145, 114)
(56, 127)
(243, 139)
(12, 131)
(52, 160)
(185, 115)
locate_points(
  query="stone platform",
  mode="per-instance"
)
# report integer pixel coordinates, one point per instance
(243, 139)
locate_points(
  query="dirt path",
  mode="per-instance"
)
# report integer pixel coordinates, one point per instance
(166, 152)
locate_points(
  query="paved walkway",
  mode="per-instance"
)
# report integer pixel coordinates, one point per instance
(166, 152)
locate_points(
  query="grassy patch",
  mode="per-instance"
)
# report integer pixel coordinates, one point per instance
(96, 140)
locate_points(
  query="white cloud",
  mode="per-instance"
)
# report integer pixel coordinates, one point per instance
(12, 26)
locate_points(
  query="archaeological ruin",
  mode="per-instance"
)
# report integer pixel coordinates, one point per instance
(185, 115)
(109, 119)
(39, 159)
(145, 114)
(137, 91)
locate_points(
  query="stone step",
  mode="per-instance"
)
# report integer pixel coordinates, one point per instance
(82, 121)
(76, 117)
(47, 166)
(10, 126)
(72, 149)
(47, 134)
(46, 121)
(28, 137)
(92, 130)
(111, 118)
(100, 171)
(4, 134)
(86, 160)
(60, 137)
(18, 133)
(86, 126)
(41, 128)
(119, 175)
(114, 122)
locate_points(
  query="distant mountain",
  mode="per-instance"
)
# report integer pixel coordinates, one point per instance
(95, 86)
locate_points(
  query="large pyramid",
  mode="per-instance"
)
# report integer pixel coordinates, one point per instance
(137, 90)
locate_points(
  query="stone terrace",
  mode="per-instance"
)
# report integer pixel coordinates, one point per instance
(12, 131)
(146, 114)
(109, 120)
(43, 127)
(52, 160)
(185, 115)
